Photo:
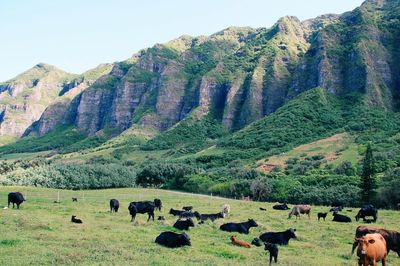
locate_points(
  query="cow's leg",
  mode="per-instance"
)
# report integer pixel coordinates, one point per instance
(17, 206)
(384, 261)
(13, 205)
(133, 217)
(270, 258)
(276, 258)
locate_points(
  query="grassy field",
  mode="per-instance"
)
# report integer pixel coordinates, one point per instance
(40, 232)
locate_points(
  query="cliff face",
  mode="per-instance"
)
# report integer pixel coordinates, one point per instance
(237, 76)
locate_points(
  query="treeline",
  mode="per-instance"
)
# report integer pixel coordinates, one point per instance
(71, 176)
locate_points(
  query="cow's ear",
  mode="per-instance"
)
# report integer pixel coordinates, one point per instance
(371, 241)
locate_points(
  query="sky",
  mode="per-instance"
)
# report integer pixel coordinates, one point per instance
(77, 35)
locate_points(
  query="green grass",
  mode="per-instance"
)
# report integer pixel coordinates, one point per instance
(40, 232)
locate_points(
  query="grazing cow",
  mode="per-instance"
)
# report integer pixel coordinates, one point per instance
(15, 198)
(300, 209)
(367, 210)
(175, 212)
(75, 220)
(262, 209)
(161, 218)
(336, 209)
(278, 206)
(371, 249)
(280, 238)
(158, 204)
(340, 218)
(173, 240)
(242, 228)
(212, 216)
(141, 207)
(114, 205)
(322, 215)
(273, 252)
(184, 224)
(226, 209)
(187, 208)
(238, 242)
(74, 199)
(392, 237)
(256, 242)
(247, 198)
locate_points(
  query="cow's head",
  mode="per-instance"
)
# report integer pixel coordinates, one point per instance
(252, 223)
(291, 232)
(190, 222)
(233, 238)
(185, 239)
(363, 243)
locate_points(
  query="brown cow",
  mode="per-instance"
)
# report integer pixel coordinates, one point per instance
(391, 237)
(371, 249)
(300, 209)
(238, 242)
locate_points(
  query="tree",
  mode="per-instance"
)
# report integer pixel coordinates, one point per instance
(368, 183)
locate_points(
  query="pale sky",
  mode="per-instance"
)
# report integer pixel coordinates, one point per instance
(76, 35)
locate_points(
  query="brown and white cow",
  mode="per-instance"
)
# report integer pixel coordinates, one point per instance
(300, 209)
(371, 249)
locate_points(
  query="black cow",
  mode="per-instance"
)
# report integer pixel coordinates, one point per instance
(262, 209)
(175, 212)
(336, 209)
(158, 204)
(322, 215)
(74, 199)
(367, 210)
(141, 207)
(273, 252)
(280, 238)
(184, 224)
(15, 198)
(256, 242)
(340, 218)
(187, 208)
(242, 228)
(212, 217)
(173, 240)
(114, 205)
(188, 214)
(75, 220)
(280, 207)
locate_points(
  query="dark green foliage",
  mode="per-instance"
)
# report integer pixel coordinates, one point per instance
(188, 136)
(59, 138)
(84, 144)
(389, 191)
(368, 183)
(164, 174)
(345, 168)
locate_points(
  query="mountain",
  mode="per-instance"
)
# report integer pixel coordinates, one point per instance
(24, 98)
(219, 89)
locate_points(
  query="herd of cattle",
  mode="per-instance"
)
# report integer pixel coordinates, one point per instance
(372, 243)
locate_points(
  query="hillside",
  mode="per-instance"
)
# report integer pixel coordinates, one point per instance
(39, 223)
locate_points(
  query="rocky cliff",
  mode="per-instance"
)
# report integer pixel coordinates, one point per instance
(237, 76)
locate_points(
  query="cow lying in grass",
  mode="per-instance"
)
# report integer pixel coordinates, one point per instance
(76, 220)
(173, 240)
(340, 218)
(238, 242)
(242, 228)
(212, 217)
(184, 224)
